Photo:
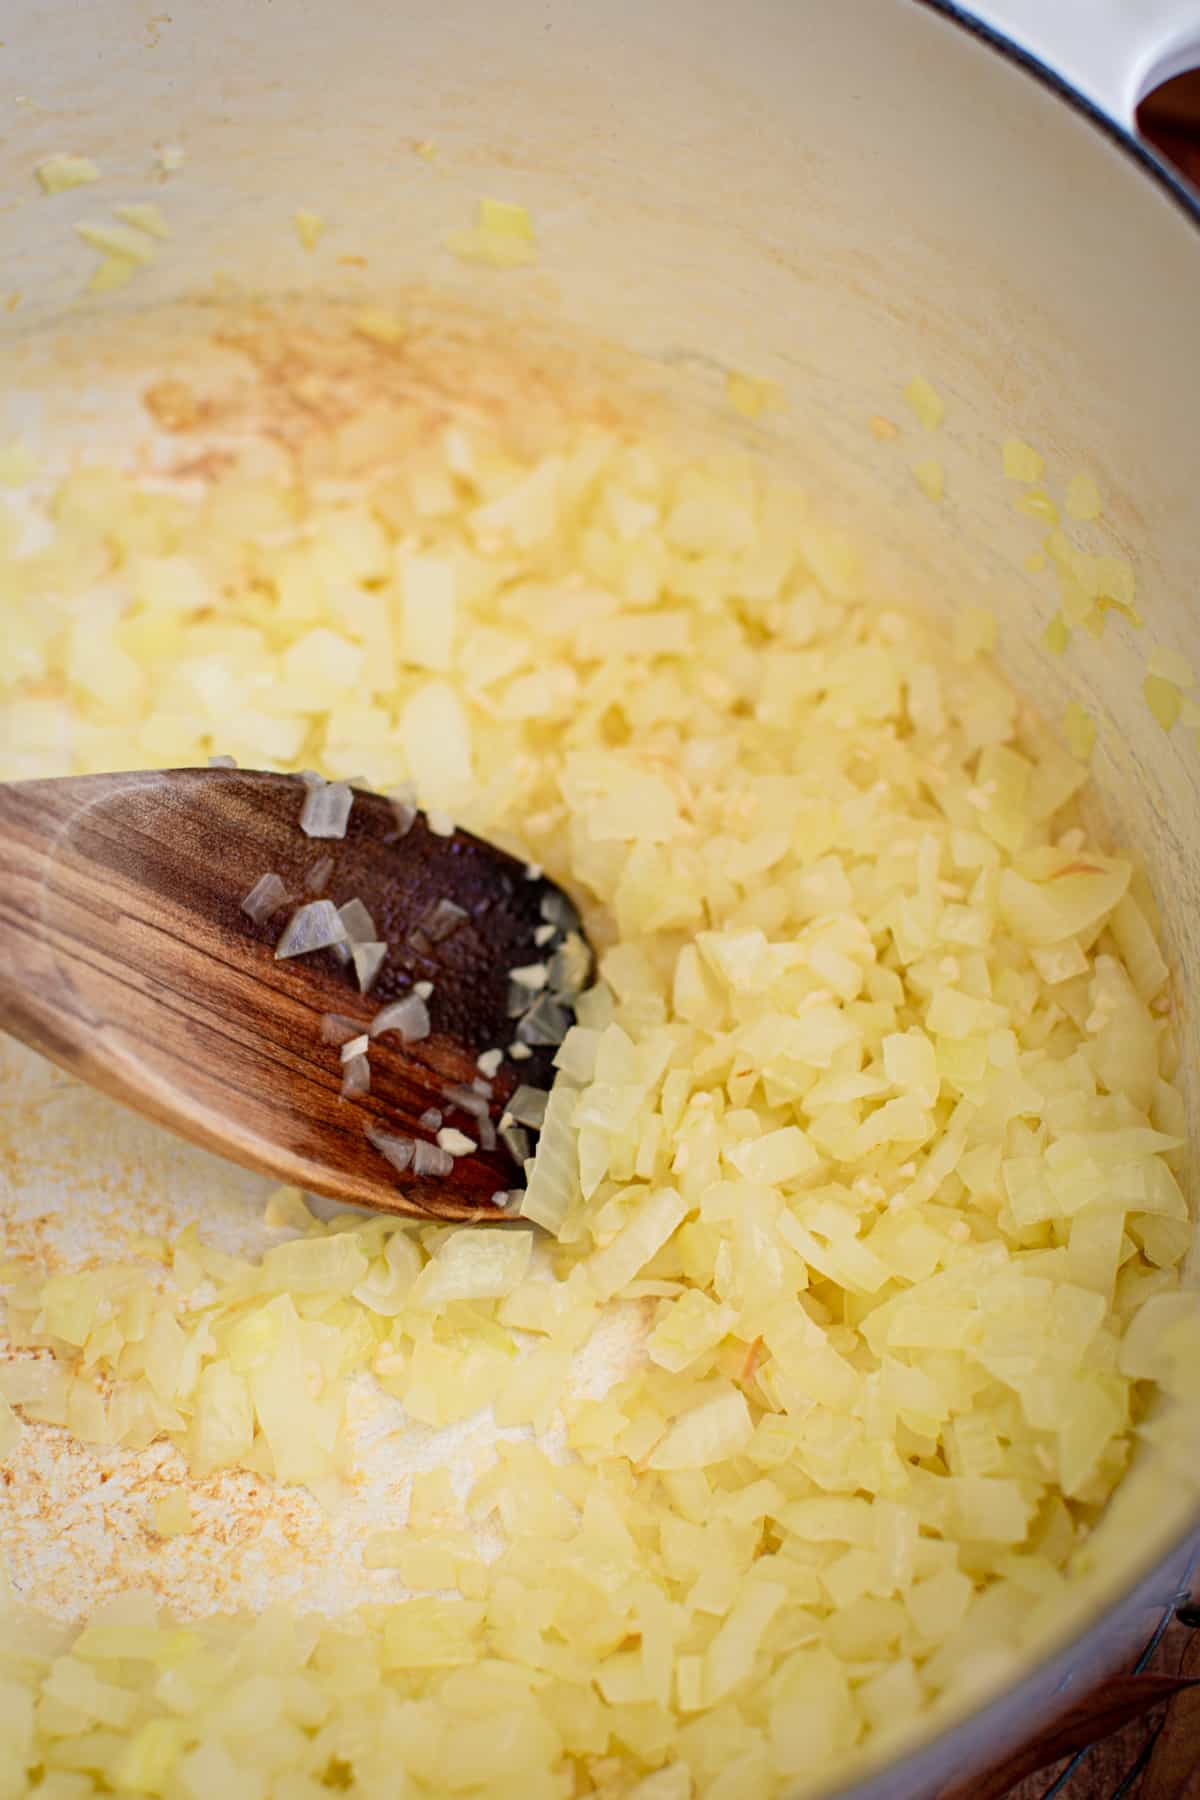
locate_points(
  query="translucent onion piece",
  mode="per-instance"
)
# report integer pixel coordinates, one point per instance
(442, 919)
(317, 879)
(368, 960)
(409, 1017)
(360, 926)
(519, 1000)
(431, 1118)
(558, 911)
(398, 1150)
(355, 1046)
(356, 1077)
(517, 1142)
(266, 897)
(546, 1022)
(403, 803)
(570, 967)
(468, 1101)
(326, 810)
(553, 1184)
(530, 975)
(456, 1142)
(312, 927)
(431, 1159)
(528, 1106)
(475, 1102)
(222, 762)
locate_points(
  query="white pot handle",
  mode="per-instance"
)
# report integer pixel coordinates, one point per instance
(1113, 51)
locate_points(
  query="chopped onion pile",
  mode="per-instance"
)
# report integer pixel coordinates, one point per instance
(870, 1116)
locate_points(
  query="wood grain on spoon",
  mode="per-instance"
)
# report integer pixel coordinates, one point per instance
(126, 957)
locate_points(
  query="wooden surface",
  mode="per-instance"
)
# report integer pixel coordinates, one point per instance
(1155, 1757)
(1170, 119)
(1137, 1737)
(125, 956)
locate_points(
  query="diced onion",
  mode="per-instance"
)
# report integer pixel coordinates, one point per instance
(368, 959)
(356, 1076)
(569, 967)
(528, 1106)
(431, 1159)
(546, 1022)
(315, 926)
(409, 1017)
(403, 803)
(517, 1142)
(358, 923)
(554, 1183)
(468, 1100)
(266, 897)
(326, 810)
(532, 976)
(317, 879)
(558, 911)
(62, 171)
(442, 919)
(356, 1046)
(456, 1142)
(397, 1150)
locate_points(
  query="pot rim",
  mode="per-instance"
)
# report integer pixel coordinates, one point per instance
(1174, 186)
(1038, 1695)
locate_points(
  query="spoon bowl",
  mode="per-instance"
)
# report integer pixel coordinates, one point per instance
(128, 956)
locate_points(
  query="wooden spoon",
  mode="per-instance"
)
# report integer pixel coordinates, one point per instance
(126, 956)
